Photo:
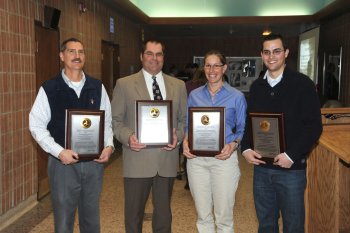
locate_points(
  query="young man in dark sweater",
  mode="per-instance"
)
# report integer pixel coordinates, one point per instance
(279, 185)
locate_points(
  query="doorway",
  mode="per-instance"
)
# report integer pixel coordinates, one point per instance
(47, 65)
(109, 65)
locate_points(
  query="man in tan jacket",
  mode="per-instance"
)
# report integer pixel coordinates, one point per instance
(146, 168)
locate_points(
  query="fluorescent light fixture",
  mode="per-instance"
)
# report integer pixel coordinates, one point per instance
(284, 12)
(228, 8)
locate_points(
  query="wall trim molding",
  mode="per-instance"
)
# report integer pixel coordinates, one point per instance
(18, 211)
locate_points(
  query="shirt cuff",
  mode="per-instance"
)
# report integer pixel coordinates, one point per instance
(288, 157)
(111, 146)
(246, 150)
(56, 150)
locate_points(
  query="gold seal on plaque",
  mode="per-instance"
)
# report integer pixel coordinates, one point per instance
(205, 120)
(265, 126)
(154, 112)
(86, 123)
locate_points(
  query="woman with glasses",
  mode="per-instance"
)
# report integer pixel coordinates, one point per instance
(214, 180)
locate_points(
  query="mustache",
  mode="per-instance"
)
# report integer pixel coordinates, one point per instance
(76, 59)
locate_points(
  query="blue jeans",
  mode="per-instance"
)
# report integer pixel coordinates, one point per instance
(278, 191)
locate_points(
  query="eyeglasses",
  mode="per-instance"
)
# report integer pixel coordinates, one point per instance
(214, 66)
(150, 54)
(73, 52)
(275, 52)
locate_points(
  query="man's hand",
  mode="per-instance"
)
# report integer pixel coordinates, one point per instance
(68, 157)
(253, 157)
(172, 146)
(134, 143)
(104, 157)
(282, 161)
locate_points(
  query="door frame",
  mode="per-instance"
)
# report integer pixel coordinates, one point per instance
(110, 69)
(47, 65)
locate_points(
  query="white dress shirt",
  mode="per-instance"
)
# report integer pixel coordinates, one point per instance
(273, 81)
(149, 82)
(40, 116)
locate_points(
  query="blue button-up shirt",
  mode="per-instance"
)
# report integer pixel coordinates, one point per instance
(235, 108)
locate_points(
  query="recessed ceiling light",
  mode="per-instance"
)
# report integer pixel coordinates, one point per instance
(266, 32)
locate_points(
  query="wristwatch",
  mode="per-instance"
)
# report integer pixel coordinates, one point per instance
(237, 144)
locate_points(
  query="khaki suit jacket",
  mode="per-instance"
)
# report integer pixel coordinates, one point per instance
(149, 161)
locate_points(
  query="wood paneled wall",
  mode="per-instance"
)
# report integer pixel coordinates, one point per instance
(179, 51)
(18, 158)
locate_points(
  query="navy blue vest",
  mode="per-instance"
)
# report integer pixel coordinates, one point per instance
(62, 97)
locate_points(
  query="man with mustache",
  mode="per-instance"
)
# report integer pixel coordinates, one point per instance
(73, 183)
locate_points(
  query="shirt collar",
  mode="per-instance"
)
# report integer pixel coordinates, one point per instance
(273, 81)
(148, 76)
(70, 83)
(224, 86)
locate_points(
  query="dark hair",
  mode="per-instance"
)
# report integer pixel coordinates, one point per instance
(144, 44)
(216, 53)
(64, 43)
(274, 36)
(199, 77)
(191, 66)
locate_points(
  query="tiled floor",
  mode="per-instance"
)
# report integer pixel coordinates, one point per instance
(40, 219)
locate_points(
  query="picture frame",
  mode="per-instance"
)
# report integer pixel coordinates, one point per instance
(267, 134)
(206, 130)
(154, 122)
(84, 132)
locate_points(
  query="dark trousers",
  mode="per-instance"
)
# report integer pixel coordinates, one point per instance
(137, 191)
(75, 186)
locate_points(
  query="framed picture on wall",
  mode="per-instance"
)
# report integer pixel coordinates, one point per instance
(241, 71)
(308, 53)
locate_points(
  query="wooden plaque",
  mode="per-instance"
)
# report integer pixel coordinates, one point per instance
(85, 132)
(206, 130)
(154, 122)
(267, 132)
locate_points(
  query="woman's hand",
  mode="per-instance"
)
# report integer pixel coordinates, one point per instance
(227, 151)
(186, 149)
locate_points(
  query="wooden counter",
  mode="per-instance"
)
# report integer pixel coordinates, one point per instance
(327, 195)
(337, 142)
